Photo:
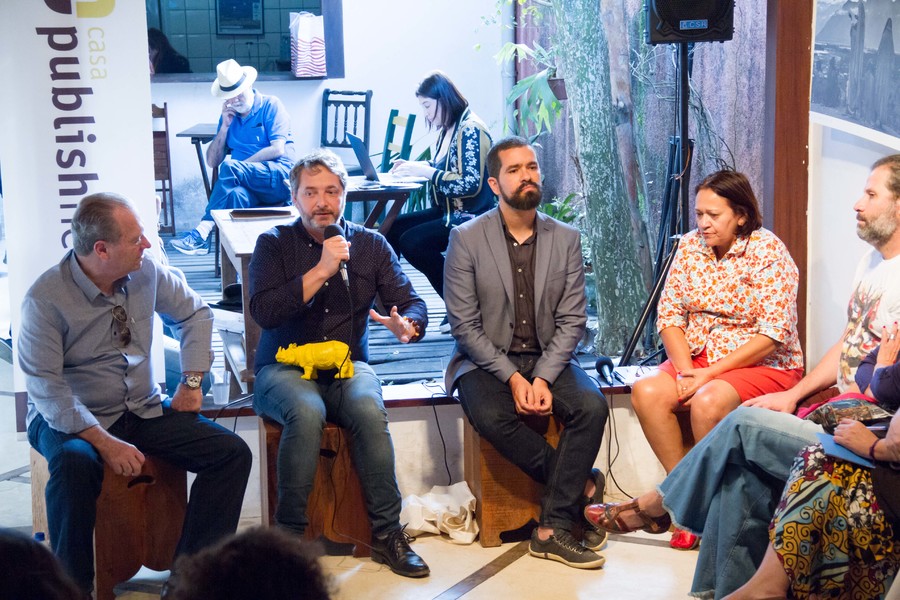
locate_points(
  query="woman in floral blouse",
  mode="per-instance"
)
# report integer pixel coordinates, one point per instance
(458, 177)
(727, 319)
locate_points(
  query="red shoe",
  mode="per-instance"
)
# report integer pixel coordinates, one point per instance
(682, 540)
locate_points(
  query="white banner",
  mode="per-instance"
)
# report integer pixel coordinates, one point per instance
(75, 120)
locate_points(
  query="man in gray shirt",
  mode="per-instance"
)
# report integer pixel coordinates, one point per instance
(84, 347)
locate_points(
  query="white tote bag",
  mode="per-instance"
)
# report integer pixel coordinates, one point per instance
(307, 45)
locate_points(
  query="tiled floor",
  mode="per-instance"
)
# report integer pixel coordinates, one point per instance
(638, 567)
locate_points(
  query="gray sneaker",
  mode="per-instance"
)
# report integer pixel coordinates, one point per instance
(191, 243)
(564, 548)
(593, 539)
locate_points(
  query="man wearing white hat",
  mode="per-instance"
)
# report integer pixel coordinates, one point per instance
(256, 130)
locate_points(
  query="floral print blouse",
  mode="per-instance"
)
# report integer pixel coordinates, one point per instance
(722, 304)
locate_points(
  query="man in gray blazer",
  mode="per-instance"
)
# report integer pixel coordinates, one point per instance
(514, 289)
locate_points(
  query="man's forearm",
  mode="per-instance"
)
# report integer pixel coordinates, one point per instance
(823, 376)
(215, 153)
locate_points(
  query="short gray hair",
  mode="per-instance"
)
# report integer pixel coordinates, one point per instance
(95, 220)
(315, 160)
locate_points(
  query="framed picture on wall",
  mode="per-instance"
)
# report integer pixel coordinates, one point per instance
(239, 17)
(856, 66)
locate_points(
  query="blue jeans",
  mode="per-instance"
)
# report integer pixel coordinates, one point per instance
(302, 407)
(242, 184)
(580, 408)
(726, 490)
(220, 459)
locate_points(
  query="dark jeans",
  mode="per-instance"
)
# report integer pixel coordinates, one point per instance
(578, 405)
(220, 459)
(422, 238)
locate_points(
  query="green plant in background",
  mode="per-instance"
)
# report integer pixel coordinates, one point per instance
(570, 210)
(563, 209)
(535, 106)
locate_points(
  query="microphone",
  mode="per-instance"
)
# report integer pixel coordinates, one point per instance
(330, 232)
(605, 368)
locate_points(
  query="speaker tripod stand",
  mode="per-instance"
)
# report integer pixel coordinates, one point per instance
(674, 221)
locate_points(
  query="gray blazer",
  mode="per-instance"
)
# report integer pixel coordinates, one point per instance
(478, 292)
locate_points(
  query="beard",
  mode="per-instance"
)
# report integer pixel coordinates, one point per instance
(319, 220)
(878, 230)
(526, 197)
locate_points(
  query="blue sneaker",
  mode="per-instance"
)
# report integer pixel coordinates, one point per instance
(191, 243)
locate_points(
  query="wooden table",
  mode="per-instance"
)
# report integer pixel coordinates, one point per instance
(396, 194)
(238, 239)
(201, 133)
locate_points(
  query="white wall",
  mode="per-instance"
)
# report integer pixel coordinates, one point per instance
(839, 165)
(389, 45)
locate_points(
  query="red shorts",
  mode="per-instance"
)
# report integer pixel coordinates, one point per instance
(749, 382)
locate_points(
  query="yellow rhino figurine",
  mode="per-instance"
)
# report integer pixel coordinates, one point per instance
(319, 355)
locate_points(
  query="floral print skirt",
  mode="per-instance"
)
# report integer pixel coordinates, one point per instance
(832, 538)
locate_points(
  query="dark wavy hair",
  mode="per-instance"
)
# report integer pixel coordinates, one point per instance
(439, 88)
(29, 570)
(264, 563)
(321, 158)
(736, 189)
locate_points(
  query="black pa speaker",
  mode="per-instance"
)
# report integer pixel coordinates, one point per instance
(671, 21)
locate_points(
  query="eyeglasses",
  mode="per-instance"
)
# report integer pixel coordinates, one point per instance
(121, 332)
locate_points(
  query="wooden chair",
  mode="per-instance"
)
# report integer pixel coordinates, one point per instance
(345, 112)
(392, 150)
(506, 498)
(336, 507)
(139, 519)
(162, 168)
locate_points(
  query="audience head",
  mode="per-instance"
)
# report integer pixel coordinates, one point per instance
(29, 570)
(878, 209)
(514, 174)
(164, 58)
(735, 188)
(96, 219)
(441, 101)
(232, 80)
(319, 190)
(263, 563)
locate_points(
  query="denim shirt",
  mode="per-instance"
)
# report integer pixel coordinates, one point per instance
(76, 373)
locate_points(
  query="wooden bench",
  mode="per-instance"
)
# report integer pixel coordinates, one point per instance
(506, 498)
(336, 508)
(139, 519)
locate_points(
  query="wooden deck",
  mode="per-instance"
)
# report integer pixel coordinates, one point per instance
(393, 362)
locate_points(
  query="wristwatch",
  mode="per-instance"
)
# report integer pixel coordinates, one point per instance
(192, 380)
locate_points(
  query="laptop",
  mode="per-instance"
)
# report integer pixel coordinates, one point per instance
(368, 169)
